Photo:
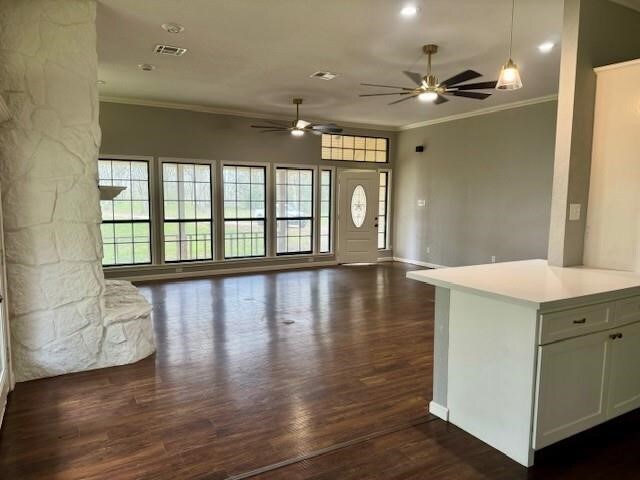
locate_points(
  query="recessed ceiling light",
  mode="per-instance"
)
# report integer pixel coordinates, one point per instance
(409, 11)
(546, 47)
(147, 67)
(173, 27)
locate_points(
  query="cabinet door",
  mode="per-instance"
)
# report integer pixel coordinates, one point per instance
(624, 390)
(571, 387)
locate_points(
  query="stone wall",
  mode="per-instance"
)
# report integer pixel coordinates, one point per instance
(48, 172)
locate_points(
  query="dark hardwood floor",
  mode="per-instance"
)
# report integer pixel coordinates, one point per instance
(236, 386)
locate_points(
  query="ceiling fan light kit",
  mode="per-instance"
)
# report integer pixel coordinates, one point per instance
(509, 78)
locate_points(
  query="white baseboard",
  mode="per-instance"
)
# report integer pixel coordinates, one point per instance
(418, 262)
(386, 259)
(220, 271)
(439, 411)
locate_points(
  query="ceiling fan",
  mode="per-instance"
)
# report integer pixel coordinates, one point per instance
(298, 127)
(429, 90)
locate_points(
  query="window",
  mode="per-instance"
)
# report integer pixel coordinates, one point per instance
(294, 210)
(382, 210)
(325, 211)
(357, 149)
(244, 211)
(187, 225)
(126, 220)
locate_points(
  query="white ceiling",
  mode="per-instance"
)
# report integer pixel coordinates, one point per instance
(255, 55)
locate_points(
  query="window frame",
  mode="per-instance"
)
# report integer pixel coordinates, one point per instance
(332, 199)
(314, 173)
(161, 213)
(266, 220)
(387, 151)
(152, 221)
(387, 239)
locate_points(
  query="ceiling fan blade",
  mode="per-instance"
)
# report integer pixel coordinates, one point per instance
(414, 77)
(327, 129)
(477, 86)
(384, 86)
(403, 99)
(475, 95)
(382, 94)
(274, 131)
(271, 127)
(460, 78)
(440, 100)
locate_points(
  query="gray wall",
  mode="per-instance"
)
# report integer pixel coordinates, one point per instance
(140, 130)
(487, 183)
(595, 33)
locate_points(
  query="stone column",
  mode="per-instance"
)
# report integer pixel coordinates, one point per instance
(48, 168)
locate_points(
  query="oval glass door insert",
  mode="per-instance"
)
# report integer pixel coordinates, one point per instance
(358, 206)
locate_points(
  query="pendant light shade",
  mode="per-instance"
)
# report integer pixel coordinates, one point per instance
(509, 78)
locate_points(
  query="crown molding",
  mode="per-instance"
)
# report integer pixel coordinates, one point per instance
(234, 113)
(615, 66)
(4, 111)
(481, 111)
(253, 115)
(632, 4)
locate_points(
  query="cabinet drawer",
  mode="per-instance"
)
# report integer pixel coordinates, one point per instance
(627, 311)
(572, 323)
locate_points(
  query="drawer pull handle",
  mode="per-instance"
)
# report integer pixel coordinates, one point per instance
(582, 320)
(613, 336)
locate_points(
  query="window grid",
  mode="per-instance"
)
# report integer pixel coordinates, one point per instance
(244, 211)
(355, 148)
(294, 211)
(187, 212)
(126, 220)
(383, 196)
(325, 211)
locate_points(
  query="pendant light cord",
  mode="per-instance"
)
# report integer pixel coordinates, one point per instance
(513, 7)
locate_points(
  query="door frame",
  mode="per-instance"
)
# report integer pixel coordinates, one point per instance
(338, 201)
(6, 384)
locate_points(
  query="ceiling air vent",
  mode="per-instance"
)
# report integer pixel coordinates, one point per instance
(324, 75)
(169, 50)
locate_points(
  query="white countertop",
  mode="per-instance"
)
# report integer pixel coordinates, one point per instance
(532, 282)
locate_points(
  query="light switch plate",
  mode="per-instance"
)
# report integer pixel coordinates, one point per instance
(574, 211)
(422, 203)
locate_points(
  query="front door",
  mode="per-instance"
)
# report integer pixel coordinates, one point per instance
(357, 216)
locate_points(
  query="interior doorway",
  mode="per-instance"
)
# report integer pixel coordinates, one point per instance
(357, 216)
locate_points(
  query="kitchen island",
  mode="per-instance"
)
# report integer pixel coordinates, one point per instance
(527, 354)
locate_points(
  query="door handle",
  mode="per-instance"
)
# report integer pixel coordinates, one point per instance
(582, 320)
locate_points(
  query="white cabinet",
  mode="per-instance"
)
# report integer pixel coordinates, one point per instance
(584, 381)
(624, 378)
(572, 387)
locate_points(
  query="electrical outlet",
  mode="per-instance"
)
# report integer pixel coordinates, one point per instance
(422, 203)
(428, 249)
(574, 212)
(493, 259)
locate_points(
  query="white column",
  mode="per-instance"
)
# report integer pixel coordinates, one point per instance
(48, 162)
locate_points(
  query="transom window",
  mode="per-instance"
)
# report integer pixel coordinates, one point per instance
(126, 220)
(355, 148)
(325, 211)
(244, 211)
(187, 225)
(294, 210)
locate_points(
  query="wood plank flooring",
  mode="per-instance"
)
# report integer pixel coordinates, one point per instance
(235, 386)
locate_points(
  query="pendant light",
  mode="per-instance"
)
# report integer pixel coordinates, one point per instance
(509, 78)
